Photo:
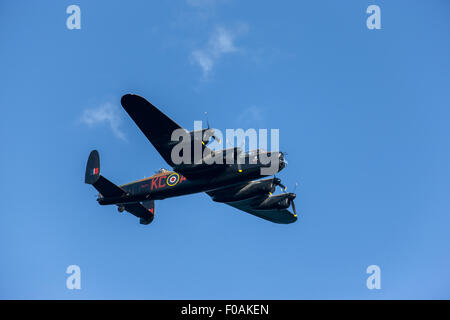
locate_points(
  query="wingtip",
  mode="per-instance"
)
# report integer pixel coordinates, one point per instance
(127, 97)
(132, 99)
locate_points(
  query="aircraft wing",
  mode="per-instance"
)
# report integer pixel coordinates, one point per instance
(283, 216)
(155, 125)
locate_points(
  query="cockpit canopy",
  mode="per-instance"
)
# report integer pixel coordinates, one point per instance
(254, 152)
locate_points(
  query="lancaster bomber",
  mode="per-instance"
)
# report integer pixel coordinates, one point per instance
(236, 184)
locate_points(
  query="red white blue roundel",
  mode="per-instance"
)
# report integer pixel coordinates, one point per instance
(173, 179)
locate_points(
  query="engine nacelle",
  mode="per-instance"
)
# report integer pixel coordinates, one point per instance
(250, 190)
(282, 201)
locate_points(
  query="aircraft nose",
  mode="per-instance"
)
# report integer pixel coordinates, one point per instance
(282, 161)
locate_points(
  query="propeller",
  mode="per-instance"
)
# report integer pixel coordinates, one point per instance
(292, 200)
(291, 195)
(239, 165)
(211, 132)
(207, 120)
(277, 182)
(293, 207)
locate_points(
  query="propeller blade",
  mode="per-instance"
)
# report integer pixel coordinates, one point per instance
(277, 182)
(217, 139)
(207, 120)
(293, 207)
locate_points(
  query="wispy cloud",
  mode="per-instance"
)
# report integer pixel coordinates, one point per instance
(252, 114)
(107, 113)
(221, 42)
(201, 3)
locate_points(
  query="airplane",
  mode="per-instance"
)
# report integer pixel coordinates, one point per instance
(235, 184)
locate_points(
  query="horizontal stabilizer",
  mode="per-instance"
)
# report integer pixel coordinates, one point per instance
(107, 188)
(145, 213)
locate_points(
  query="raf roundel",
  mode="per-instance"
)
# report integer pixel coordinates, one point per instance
(173, 179)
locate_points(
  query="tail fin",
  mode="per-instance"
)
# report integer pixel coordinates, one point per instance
(93, 177)
(92, 168)
(107, 189)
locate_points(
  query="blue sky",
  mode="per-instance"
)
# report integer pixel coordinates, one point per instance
(363, 115)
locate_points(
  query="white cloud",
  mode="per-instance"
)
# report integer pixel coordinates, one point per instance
(204, 60)
(106, 113)
(251, 114)
(201, 3)
(220, 43)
